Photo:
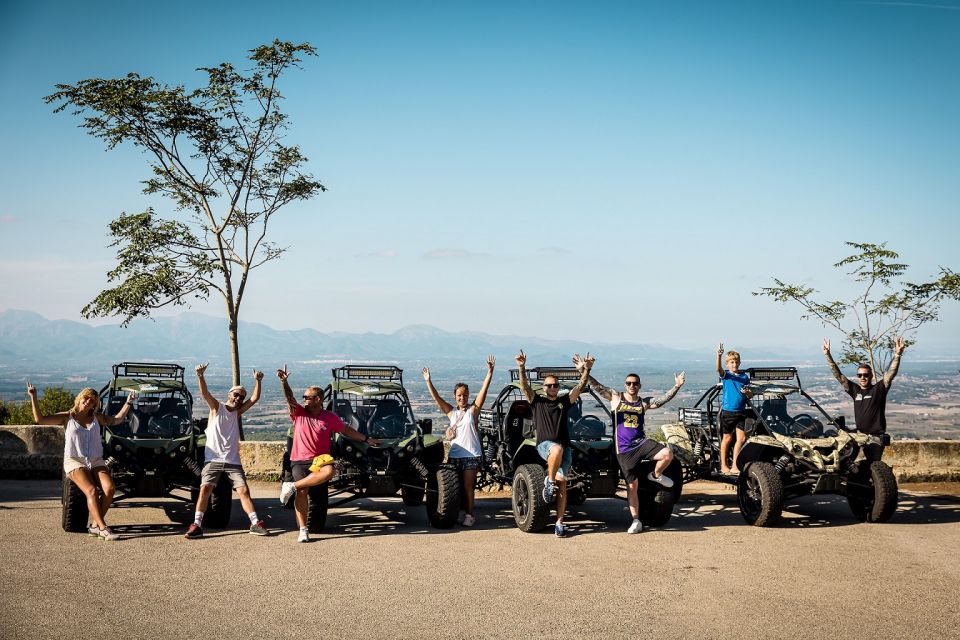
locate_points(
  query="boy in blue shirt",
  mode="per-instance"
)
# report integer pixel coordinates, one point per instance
(733, 413)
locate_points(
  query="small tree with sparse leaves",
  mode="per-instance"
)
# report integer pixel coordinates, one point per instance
(888, 307)
(217, 153)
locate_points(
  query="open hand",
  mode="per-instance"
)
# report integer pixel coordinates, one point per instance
(491, 362)
(720, 349)
(900, 346)
(426, 374)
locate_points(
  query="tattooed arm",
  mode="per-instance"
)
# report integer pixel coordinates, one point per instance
(895, 363)
(834, 369)
(653, 403)
(604, 392)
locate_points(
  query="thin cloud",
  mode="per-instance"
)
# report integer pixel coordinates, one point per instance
(451, 252)
(8, 219)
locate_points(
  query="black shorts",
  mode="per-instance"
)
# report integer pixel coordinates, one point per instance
(730, 420)
(631, 461)
(300, 469)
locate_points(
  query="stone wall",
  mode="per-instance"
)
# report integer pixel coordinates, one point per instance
(34, 451)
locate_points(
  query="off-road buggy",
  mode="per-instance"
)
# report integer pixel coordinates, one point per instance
(794, 448)
(510, 454)
(158, 449)
(409, 460)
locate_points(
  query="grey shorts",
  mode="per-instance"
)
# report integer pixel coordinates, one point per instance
(213, 470)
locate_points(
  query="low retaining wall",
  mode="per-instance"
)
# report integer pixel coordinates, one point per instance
(35, 451)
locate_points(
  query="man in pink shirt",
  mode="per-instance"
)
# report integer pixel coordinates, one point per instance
(310, 459)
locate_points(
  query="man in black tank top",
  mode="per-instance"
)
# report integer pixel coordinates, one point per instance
(869, 398)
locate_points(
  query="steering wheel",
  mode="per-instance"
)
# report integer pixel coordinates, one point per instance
(389, 427)
(805, 424)
(589, 426)
(166, 425)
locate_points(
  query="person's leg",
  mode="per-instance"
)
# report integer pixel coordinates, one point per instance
(663, 459)
(469, 478)
(633, 498)
(561, 498)
(300, 503)
(107, 487)
(83, 479)
(244, 494)
(553, 461)
(741, 439)
(724, 448)
(315, 478)
(203, 500)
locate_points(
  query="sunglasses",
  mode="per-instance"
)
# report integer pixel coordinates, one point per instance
(310, 397)
(551, 386)
(863, 375)
(239, 396)
(631, 383)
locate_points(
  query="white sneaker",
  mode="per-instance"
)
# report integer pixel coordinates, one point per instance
(461, 516)
(635, 527)
(106, 534)
(304, 534)
(94, 531)
(287, 489)
(662, 480)
(469, 520)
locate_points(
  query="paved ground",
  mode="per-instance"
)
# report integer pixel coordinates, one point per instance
(381, 572)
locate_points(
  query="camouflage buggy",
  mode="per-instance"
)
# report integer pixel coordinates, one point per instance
(372, 400)
(158, 449)
(793, 449)
(510, 454)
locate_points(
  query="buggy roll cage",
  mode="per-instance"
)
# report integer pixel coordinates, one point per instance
(391, 375)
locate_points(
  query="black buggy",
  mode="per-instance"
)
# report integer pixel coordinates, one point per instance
(794, 448)
(510, 454)
(158, 449)
(409, 460)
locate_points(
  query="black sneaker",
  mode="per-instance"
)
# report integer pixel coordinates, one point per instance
(194, 531)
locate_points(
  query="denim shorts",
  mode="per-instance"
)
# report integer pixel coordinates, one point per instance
(544, 450)
(465, 464)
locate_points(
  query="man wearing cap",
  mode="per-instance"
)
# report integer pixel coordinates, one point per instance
(310, 459)
(222, 452)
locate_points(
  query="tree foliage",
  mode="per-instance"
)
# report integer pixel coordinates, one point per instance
(888, 306)
(218, 154)
(52, 400)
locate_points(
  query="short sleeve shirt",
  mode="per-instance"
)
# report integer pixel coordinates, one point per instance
(733, 384)
(550, 419)
(312, 434)
(869, 407)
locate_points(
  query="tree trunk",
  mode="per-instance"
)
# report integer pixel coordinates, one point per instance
(235, 360)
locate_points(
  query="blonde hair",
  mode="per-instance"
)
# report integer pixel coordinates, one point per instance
(85, 393)
(734, 355)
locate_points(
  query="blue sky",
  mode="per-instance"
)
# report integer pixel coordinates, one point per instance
(605, 171)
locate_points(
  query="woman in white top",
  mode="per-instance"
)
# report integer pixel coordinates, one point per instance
(462, 434)
(83, 451)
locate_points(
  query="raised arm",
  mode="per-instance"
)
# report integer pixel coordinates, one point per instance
(482, 396)
(443, 404)
(120, 415)
(283, 374)
(255, 396)
(211, 401)
(653, 403)
(895, 363)
(524, 383)
(583, 366)
(834, 369)
(603, 391)
(57, 419)
(719, 356)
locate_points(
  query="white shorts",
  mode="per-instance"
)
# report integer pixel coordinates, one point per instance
(71, 463)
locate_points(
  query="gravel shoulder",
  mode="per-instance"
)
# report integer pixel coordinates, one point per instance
(380, 571)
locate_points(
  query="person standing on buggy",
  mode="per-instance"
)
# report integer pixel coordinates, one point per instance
(463, 435)
(632, 444)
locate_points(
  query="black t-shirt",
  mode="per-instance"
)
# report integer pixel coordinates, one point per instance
(550, 418)
(869, 407)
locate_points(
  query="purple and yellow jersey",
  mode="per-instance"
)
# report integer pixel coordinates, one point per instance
(629, 420)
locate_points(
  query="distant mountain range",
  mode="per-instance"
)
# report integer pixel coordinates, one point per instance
(27, 337)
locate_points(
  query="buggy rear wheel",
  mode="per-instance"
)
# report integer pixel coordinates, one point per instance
(319, 497)
(529, 509)
(872, 494)
(221, 503)
(74, 503)
(443, 497)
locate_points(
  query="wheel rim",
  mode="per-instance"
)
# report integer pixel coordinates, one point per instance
(522, 499)
(752, 497)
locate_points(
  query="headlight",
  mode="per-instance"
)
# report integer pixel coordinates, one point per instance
(349, 448)
(401, 454)
(358, 454)
(183, 448)
(410, 448)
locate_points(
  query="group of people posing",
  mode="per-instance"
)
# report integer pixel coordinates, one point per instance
(314, 426)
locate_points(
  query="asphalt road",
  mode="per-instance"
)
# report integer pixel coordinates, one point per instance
(380, 572)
